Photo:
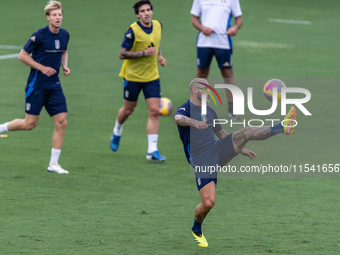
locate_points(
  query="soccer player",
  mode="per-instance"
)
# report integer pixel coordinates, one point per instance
(202, 149)
(141, 50)
(48, 47)
(213, 19)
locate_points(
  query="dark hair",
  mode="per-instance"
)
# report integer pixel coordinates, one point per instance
(140, 3)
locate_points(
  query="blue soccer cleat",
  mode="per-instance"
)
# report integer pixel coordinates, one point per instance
(155, 156)
(115, 142)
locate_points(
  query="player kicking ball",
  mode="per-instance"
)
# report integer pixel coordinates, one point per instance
(202, 149)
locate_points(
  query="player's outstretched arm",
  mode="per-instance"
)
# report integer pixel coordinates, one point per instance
(221, 133)
(126, 54)
(25, 58)
(185, 121)
(248, 153)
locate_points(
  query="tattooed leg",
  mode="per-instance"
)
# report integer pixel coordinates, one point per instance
(208, 197)
(241, 137)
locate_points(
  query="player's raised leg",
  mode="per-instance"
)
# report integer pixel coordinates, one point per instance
(28, 123)
(208, 197)
(122, 116)
(241, 137)
(289, 121)
(60, 123)
(152, 128)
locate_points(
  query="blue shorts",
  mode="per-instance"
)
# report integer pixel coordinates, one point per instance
(220, 155)
(150, 89)
(224, 57)
(52, 98)
(201, 182)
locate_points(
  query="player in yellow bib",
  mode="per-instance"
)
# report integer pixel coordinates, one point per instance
(141, 50)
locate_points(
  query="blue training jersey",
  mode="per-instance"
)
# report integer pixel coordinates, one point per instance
(47, 49)
(196, 142)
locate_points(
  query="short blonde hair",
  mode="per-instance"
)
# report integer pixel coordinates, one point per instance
(51, 6)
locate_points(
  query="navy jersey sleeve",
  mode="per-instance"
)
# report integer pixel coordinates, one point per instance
(183, 110)
(128, 39)
(32, 43)
(68, 39)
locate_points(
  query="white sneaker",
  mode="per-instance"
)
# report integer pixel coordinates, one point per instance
(57, 168)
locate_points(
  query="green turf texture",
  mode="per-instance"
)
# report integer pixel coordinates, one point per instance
(117, 203)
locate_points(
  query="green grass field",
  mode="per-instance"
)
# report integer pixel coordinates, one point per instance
(117, 203)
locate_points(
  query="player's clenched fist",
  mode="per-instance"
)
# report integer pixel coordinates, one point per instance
(201, 125)
(49, 71)
(161, 60)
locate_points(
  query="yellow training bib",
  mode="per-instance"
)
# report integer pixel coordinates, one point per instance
(143, 69)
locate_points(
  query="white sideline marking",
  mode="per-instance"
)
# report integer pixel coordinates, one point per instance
(262, 45)
(9, 56)
(10, 47)
(290, 21)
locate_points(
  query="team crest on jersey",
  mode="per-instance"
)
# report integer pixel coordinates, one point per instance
(28, 106)
(126, 93)
(204, 118)
(57, 44)
(199, 181)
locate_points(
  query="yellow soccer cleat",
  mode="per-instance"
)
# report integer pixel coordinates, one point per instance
(200, 240)
(289, 121)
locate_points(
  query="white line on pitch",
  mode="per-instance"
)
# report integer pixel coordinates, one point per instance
(10, 47)
(262, 45)
(9, 56)
(290, 21)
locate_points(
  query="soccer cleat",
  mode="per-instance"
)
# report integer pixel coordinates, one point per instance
(200, 239)
(289, 121)
(232, 116)
(57, 169)
(115, 142)
(155, 156)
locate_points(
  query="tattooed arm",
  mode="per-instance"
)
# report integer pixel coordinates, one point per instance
(126, 54)
(185, 121)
